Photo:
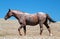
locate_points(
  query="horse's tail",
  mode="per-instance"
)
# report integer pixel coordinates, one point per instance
(50, 19)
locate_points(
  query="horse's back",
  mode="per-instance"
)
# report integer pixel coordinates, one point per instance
(33, 19)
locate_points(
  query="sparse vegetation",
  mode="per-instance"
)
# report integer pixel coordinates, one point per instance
(9, 30)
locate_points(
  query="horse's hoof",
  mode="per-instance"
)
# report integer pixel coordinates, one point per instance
(20, 34)
(50, 35)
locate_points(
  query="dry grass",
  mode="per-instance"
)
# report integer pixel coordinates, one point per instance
(9, 30)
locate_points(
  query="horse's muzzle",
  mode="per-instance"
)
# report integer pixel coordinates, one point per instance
(5, 18)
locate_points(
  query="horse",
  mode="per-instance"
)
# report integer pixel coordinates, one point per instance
(30, 19)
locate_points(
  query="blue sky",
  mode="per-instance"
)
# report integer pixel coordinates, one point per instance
(52, 7)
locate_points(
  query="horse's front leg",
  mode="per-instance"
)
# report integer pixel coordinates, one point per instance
(24, 27)
(19, 30)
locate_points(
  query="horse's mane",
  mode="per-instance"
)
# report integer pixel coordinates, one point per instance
(19, 12)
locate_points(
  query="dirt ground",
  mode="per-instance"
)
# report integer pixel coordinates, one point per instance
(9, 30)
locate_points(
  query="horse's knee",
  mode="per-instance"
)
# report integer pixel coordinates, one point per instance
(47, 26)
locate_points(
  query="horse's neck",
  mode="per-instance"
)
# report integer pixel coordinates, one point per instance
(16, 11)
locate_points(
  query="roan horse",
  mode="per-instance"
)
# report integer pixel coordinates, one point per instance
(30, 19)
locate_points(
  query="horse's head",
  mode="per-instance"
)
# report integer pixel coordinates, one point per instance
(8, 15)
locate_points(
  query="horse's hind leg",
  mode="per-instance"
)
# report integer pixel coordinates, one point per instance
(24, 27)
(41, 28)
(19, 30)
(48, 29)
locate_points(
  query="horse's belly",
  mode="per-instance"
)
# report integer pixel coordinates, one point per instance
(31, 23)
(32, 20)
